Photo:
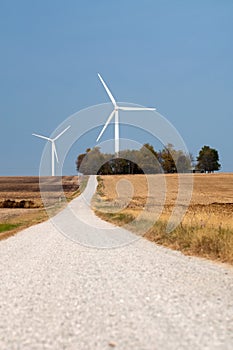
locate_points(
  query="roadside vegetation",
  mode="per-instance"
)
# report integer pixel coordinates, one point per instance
(215, 242)
(207, 227)
(7, 227)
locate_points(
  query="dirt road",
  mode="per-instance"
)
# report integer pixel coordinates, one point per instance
(58, 294)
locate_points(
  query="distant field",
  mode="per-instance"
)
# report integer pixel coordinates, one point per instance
(28, 187)
(208, 188)
(206, 229)
(14, 190)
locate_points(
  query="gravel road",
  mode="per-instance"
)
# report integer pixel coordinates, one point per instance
(57, 294)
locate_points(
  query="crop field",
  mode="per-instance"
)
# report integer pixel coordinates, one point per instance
(205, 230)
(21, 204)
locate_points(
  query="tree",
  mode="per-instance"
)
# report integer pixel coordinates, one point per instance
(147, 159)
(167, 159)
(183, 161)
(80, 159)
(208, 159)
(150, 148)
(90, 162)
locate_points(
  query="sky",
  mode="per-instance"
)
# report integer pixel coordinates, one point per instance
(176, 55)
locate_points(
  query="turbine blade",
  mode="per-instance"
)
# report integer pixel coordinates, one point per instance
(61, 133)
(105, 125)
(107, 90)
(136, 109)
(55, 152)
(42, 137)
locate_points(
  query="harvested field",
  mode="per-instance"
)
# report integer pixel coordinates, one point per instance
(207, 225)
(207, 189)
(28, 187)
(15, 190)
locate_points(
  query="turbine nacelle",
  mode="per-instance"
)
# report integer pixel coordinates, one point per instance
(115, 113)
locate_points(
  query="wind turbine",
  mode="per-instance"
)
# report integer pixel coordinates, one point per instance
(115, 112)
(53, 149)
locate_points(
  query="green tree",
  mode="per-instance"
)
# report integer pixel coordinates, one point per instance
(167, 159)
(90, 162)
(147, 159)
(208, 159)
(150, 148)
(80, 159)
(183, 161)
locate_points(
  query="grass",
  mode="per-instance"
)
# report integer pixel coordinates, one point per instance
(206, 229)
(82, 183)
(119, 219)
(7, 227)
(215, 243)
(16, 222)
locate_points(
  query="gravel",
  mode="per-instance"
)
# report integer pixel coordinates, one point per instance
(58, 294)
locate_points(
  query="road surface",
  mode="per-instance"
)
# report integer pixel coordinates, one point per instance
(58, 294)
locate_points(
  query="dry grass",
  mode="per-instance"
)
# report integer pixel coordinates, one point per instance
(207, 227)
(28, 188)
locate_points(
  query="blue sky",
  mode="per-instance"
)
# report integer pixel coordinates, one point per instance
(176, 55)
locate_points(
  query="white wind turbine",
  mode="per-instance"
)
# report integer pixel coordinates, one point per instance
(116, 113)
(53, 149)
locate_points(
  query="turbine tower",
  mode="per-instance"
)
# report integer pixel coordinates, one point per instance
(115, 113)
(53, 147)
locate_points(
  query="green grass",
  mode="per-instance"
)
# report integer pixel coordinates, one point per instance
(119, 219)
(8, 227)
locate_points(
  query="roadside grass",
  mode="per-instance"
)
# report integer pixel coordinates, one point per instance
(205, 231)
(119, 219)
(7, 227)
(214, 243)
(16, 220)
(83, 180)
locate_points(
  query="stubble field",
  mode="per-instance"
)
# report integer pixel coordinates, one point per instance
(205, 230)
(21, 204)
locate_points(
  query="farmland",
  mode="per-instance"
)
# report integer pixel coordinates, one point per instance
(207, 227)
(21, 204)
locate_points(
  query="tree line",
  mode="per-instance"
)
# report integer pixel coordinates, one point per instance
(147, 160)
